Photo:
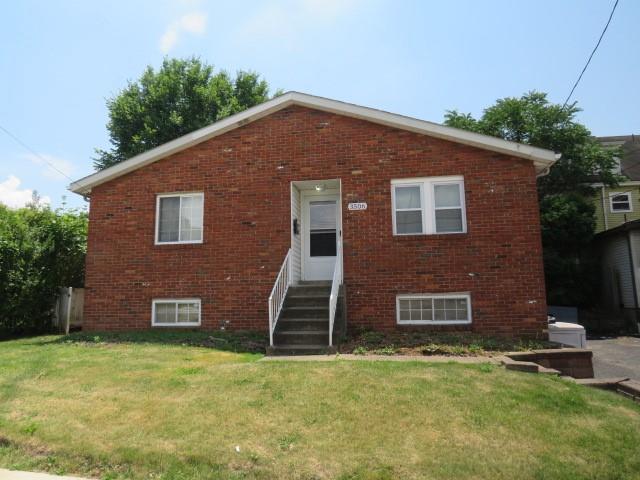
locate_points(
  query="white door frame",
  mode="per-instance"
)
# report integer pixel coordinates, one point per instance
(305, 197)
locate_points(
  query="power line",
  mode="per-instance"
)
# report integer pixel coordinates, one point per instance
(34, 152)
(615, 5)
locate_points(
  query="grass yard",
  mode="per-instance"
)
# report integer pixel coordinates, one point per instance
(173, 411)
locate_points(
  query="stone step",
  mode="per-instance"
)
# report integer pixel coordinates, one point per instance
(301, 337)
(313, 324)
(306, 300)
(306, 312)
(309, 290)
(314, 283)
(300, 350)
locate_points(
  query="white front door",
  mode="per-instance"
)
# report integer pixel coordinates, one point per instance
(320, 230)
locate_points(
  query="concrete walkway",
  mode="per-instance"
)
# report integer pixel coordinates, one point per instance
(16, 475)
(388, 358)
(616, 357)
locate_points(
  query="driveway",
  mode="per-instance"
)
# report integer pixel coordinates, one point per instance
(616, 357)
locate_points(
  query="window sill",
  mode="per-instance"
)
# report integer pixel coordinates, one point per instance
(199, 242)
(428, 235)
(175, 325)
(439, 322)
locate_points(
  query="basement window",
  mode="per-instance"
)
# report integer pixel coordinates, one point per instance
(176, 313)
(440, 309)
(179, 218)
(620, 202)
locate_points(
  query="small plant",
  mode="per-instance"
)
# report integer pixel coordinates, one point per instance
(431, 349)
(486, 367)
(287, 442)
(31, 428)
(374, 338)
(386, 350)
(360, 350)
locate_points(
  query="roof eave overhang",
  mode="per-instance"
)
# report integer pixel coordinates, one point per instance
(542, 159)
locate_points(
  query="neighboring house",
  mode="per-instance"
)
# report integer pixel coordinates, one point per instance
(302, 199)
(619, 252)
(617, 243)
(620, 204)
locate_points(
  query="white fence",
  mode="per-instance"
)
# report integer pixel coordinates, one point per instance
(68, 309)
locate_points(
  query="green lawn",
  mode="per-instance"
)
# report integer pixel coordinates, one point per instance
(154, 410)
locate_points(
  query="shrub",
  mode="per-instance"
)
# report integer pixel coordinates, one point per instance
(40, 250)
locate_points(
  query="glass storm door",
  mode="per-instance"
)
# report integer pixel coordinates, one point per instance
(320, 230)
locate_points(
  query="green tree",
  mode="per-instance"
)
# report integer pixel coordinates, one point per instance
(182, 96)
(567, 211)
(40, 250)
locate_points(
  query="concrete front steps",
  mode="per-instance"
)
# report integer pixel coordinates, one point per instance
(303, 326)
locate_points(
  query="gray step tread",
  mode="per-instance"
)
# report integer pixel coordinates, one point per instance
(306, 307)
(308, 295)
(314, 346)
(302, 319)
(303, 332)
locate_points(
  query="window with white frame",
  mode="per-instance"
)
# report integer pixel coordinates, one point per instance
(179, 218)
(176, 313)
(433, 309)
(620, 202)
(427, 206)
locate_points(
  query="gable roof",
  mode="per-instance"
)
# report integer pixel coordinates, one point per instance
(630, 146)
(541, 158)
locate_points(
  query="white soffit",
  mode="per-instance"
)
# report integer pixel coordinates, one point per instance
(541, 158)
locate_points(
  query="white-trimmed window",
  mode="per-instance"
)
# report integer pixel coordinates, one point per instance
(437, 309)
(620, 202)
(427, 206)
(179, 218)
(176, 312)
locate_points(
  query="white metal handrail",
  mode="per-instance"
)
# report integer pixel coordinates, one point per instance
(278, 294)
(335, 290)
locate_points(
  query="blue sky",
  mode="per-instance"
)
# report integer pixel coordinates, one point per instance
(60, 60)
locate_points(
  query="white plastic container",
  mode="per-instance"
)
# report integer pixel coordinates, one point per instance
(568, 334)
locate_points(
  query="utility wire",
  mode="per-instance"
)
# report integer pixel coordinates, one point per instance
(34, 152)
(592, 53)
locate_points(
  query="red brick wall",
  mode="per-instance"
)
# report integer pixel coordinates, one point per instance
(245, 175)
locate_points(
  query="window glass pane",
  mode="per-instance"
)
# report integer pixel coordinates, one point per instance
(408, 197)
(188, 312)
(416, 315)
(165, 313)
(322, 215)
(427, 304)
(322, 243)
(169, 218)
(404, 304)
(449, 220)
(461, 314)
(450, 303)
(409, 222)
(438, 315)
(438, 303)
(427, 314)
(416, 304)
(450, 315)
(191, 218)
(447, 195)
(405, 315)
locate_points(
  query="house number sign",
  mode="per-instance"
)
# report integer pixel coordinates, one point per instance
(358, 206)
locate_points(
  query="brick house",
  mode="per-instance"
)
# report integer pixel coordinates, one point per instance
(303, 212)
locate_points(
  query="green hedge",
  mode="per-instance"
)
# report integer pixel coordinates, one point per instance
(40, 250)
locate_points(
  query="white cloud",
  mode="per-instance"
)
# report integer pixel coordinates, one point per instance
(195, 23)
(285, 20)
(12, 196)
(55, 169)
